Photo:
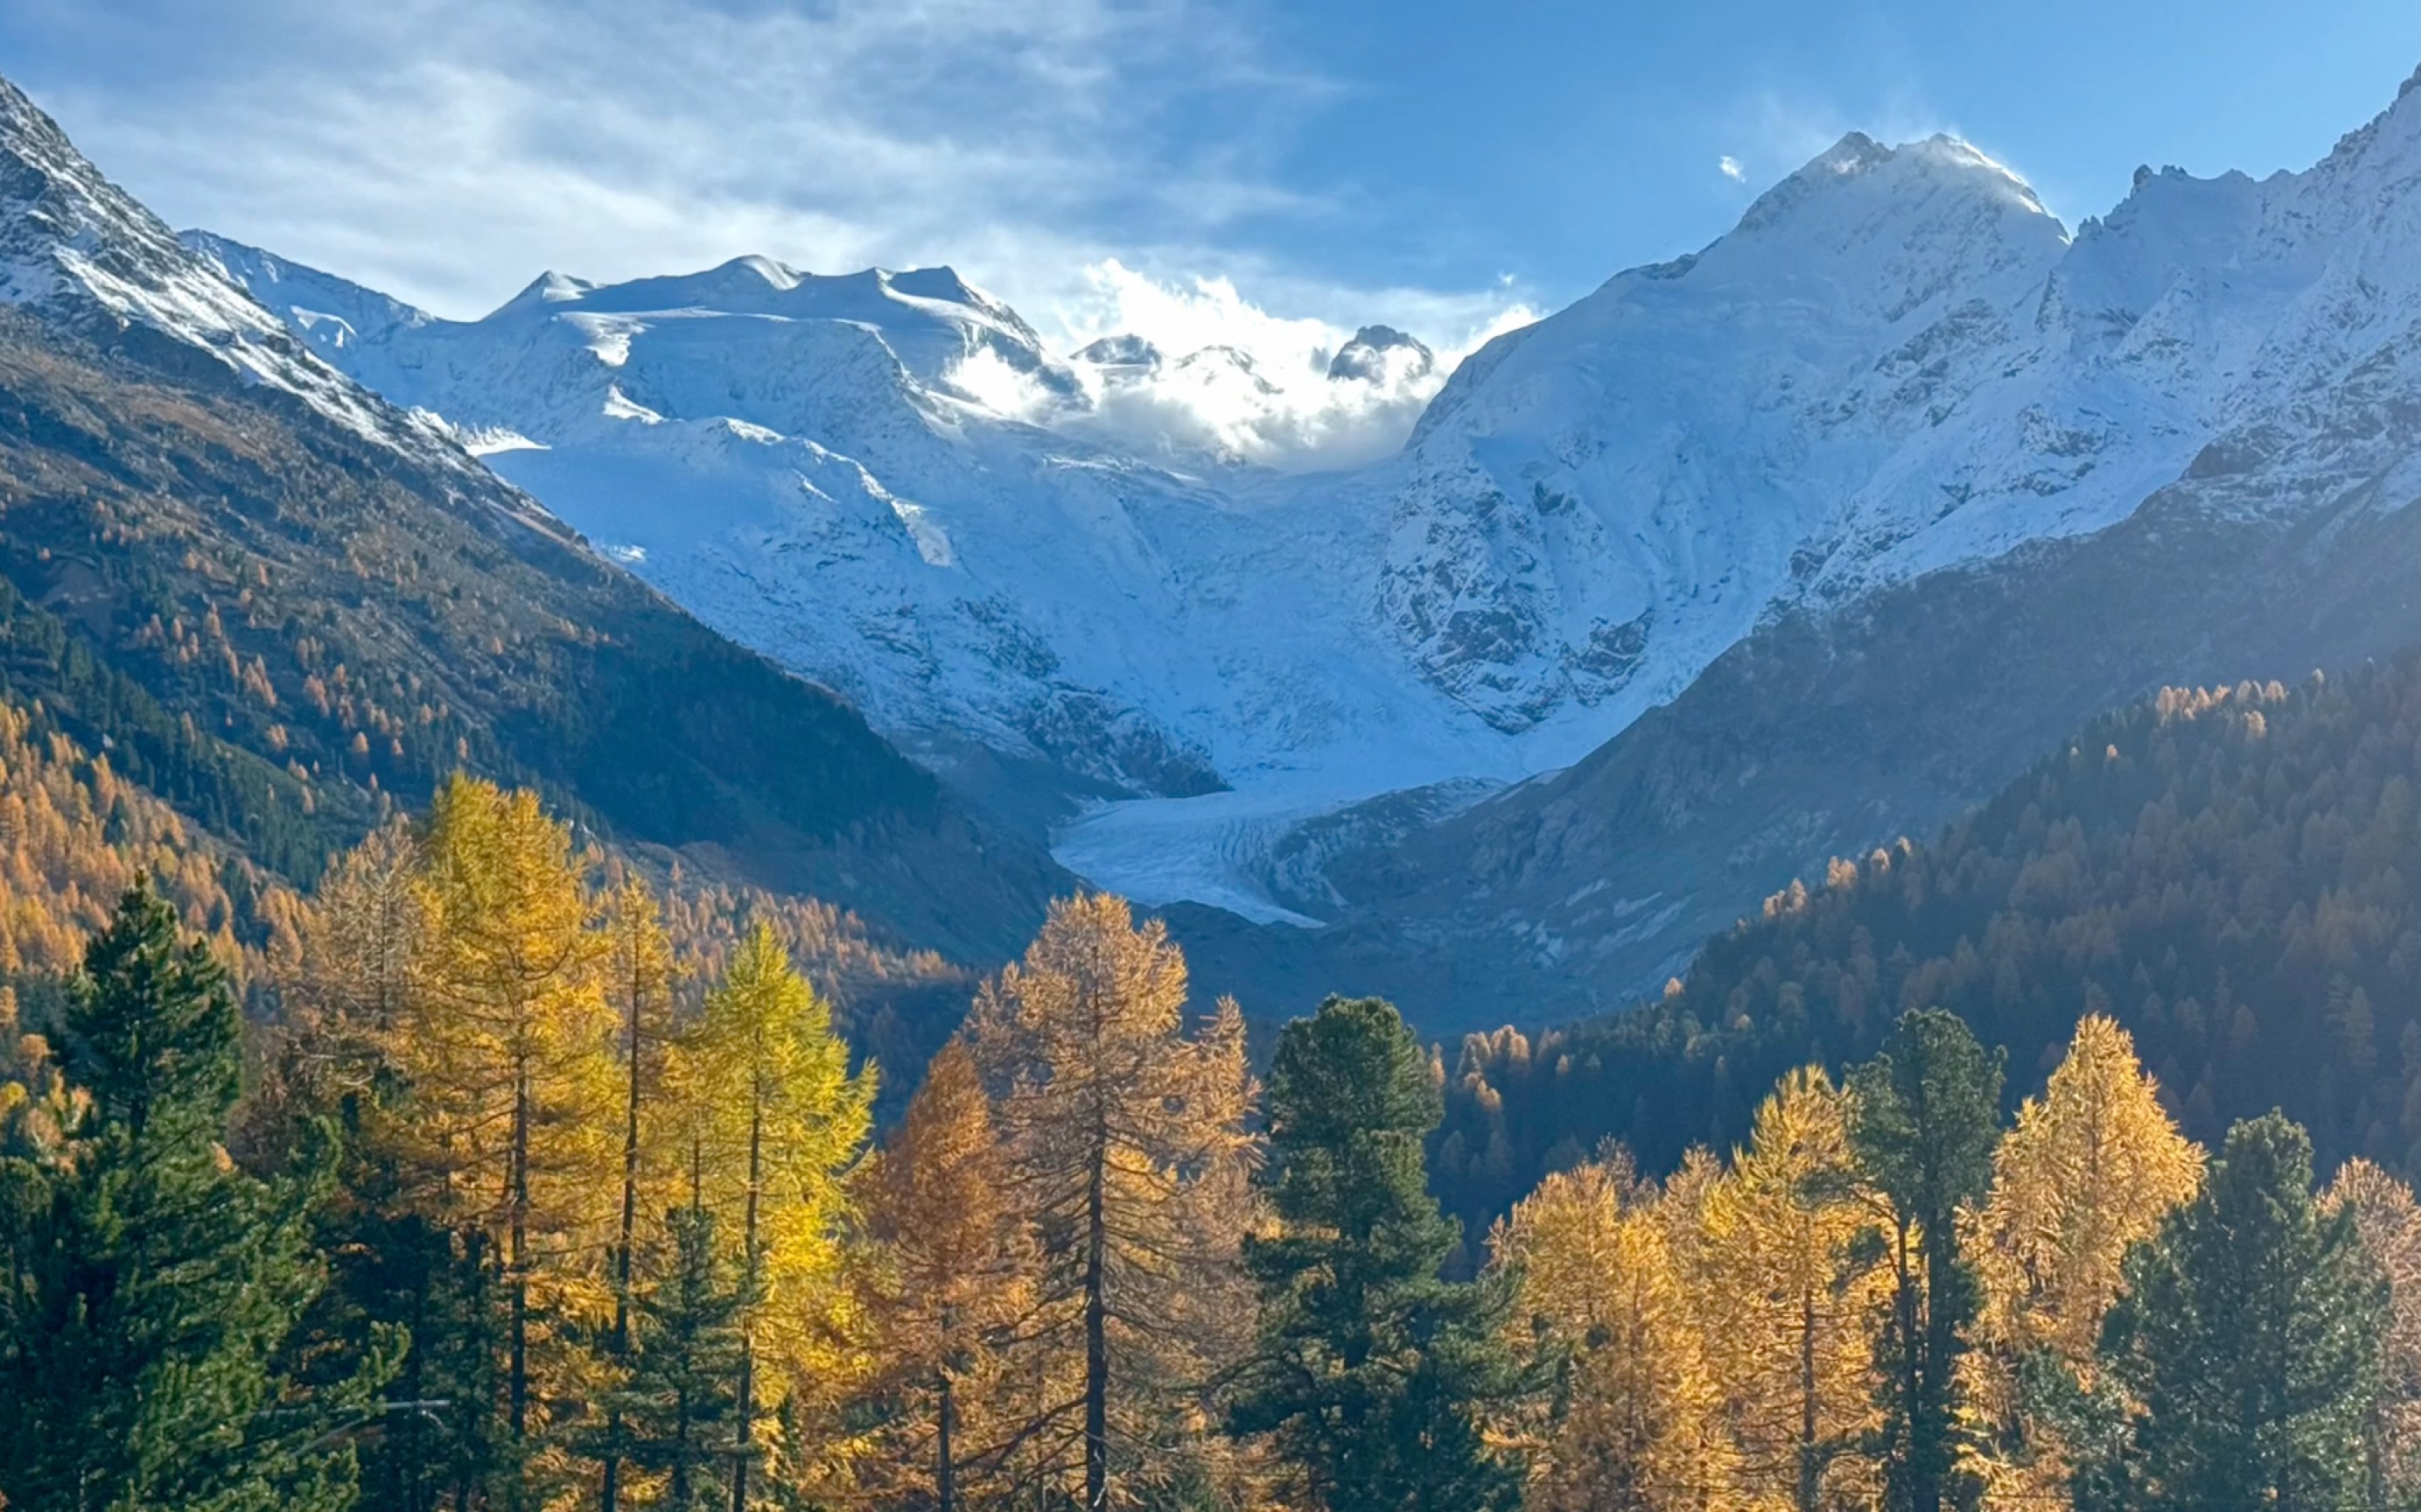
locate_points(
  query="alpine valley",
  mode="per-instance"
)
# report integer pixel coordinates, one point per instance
(1771, 553)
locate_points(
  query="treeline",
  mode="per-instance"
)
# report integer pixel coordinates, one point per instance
(2229, 872)
(522, 1208)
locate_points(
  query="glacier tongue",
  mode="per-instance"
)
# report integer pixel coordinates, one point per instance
(1898, 362)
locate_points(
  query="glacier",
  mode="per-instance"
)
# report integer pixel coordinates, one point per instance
(1898, 362)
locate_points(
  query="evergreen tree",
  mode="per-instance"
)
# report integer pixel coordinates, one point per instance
(1371, 1372)
(1924, 1116)
(151, 1293)
(677, 1416)
(2249, 1340)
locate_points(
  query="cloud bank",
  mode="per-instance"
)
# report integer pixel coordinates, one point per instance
(1100, 164)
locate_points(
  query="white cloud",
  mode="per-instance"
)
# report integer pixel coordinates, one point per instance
(1731, 167)
(1099, 164)
(1278, 405)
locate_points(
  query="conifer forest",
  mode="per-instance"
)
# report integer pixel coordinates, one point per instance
(498, 1175)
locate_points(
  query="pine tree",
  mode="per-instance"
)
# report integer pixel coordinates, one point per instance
(677, 1414)
(957, 1279)
(1923, 1119)
(2249, 1340)
(2090, 1170)
(1789, 1297)
(1638, 1421)
(153, 1293)
(1126, 1140)
(782, 1121)
(1371, 1372)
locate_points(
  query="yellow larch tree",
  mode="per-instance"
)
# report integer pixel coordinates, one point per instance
(1637, 1424)
(2091, 1167)
(361, 936)
(2389, 1225)
(1127, 1140)
(639, 981)
(780, 1120)
(1789, 1301)
(505, 1044)
(953, 1277)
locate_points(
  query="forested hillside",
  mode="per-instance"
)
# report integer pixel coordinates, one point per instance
(499, 1215)
(2224, 870)
(76, 833)
(272, 620)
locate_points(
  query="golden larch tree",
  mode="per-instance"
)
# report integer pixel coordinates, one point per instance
(1637, 1425)
(1126, 1141)
(954, 1277)
(1790, 1301)
(505, 1043)
(2389, 1225)
(2091, 1167)
(779, 1121)
(638, 980)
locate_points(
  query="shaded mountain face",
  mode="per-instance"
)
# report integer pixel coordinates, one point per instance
(280, 601)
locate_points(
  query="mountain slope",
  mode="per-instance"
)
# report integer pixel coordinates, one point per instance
(2273, 329)
(2223, 869)
(284, 599)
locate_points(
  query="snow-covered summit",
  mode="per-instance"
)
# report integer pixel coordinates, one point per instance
(1381, 354)
(1896, 362)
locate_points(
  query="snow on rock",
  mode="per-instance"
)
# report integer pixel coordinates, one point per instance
(75, 244)
(1898, 362)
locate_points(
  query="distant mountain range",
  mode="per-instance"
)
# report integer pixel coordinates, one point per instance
(279, 600)
(1769, 553)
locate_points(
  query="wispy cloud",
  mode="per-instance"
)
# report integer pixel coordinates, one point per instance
(448, 151)
(1729, 167)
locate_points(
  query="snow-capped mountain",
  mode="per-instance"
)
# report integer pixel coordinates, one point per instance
(2251, 348)
(1897, 364)
(74, 243)
(850, 474)
(173, 449)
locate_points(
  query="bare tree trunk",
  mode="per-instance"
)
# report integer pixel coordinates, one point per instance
(944, 1473)
(517, 1258)
(1810, 1464)
(1097, 1347)
(610, 1496)
(748, 1333)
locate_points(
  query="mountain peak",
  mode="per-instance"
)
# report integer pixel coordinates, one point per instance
(1377, 349)
(1124, 350)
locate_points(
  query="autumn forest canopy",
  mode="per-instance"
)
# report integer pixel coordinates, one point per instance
(499, 1171)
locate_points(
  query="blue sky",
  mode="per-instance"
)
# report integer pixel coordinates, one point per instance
(1104, 162)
